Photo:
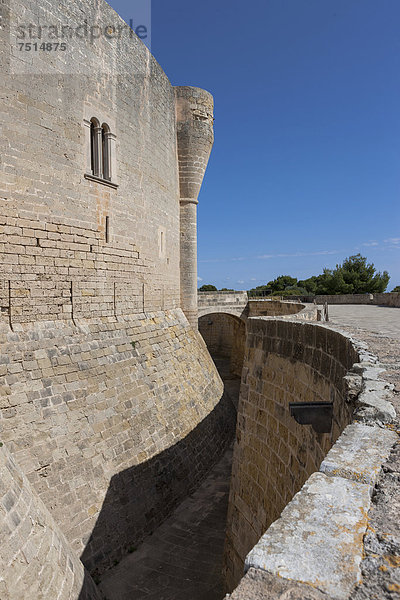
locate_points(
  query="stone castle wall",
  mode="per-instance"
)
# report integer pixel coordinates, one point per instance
(118, 418)
(234, 303)
(225, 336)
(36, 560)
(110, 402)
(267, 308)
(285, 362)
(384, 299)
(315, 549)
(53, 219)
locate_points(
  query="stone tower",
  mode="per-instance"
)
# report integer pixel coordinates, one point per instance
(195, 133)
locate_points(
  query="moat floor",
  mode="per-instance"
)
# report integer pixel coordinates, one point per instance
(182, 560)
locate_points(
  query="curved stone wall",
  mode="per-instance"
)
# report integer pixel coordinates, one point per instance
(113, 422)
(273, 308)
(36, 560)
(109, 400)
(225, 337)
(233, 303)
(317, 542)
(285, 362)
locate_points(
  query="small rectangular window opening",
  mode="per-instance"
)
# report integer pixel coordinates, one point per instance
(107, 232)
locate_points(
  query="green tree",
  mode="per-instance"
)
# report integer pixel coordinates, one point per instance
(356, 276)
(292, 291)
(309, 285)
(263, 290)
(208, 288)
(396, 289)
(353, 276)
(281, 283)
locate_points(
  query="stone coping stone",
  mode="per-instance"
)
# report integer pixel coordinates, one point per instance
(259, 585)
(318, 539)
(359, 453)
(373, 407)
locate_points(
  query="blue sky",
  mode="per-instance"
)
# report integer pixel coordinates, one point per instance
(305, 169)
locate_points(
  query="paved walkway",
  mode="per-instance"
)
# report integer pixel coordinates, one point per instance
(182, 560)
(379, 320)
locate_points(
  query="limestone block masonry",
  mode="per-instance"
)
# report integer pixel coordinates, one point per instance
(379, 299)
(238, 304)
(233, 303)
(225, 337)
(109, 401)
(36, 560)
(112, 422)
(195, 135)
(316, 542)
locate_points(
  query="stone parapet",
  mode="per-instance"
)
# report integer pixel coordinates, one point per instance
(318, 537)
(317, 540)
(382, 299)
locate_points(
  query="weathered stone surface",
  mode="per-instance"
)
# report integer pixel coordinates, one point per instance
(285, 362)
(359, 453)
(195, 137)
(374, 406)
(108, 398)
(369, 371)
(113, 422)
(232, 303)
(353, 383)
(36, 560)
(380, 329)
(259, 585)
(324, 525)
(225, 337)
(381, 564)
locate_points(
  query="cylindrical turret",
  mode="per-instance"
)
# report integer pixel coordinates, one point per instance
(195, 133)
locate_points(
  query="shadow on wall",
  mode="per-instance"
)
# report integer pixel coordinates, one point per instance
(140, 498)
(225, 337)
(89, 590)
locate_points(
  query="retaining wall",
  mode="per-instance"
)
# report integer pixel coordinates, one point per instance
(272, 308)
(225, 336)
(274, 457)
(384, 299)
(229, 302)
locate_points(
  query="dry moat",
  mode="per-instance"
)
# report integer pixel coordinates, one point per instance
(184, 557)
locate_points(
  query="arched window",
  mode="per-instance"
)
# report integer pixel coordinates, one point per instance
(95, 149)
(106, 151)
(100, 151)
